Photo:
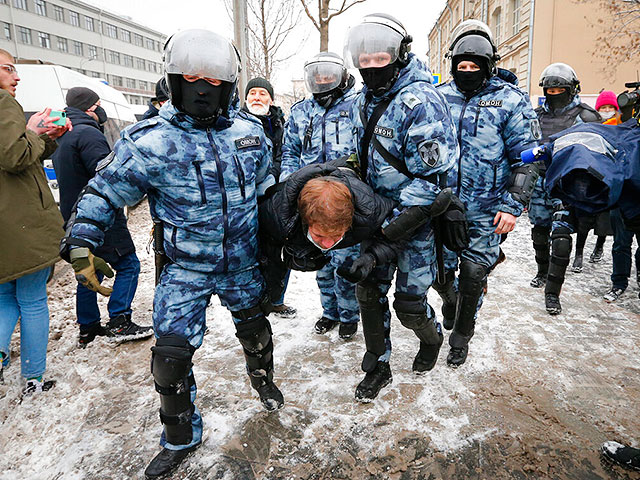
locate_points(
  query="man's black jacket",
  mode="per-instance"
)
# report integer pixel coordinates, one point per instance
(75, 160)
(273, 125)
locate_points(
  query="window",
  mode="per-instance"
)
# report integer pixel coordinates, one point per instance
(114, 57)
(21, 4)
(496, 20)
(95, 74)
(92, 51)
(137, 39)
(44, 40)
(7, 31)
(125, 36)
(127, 60)
(25, 35)
(41, 7)
(88, 21)
(58, 12)
(116, 80)
(515, 16)
(110, 30)
(63, 45)
(150, 44)
(143, 85)
(74, 18)
(77, 48)
(140, 63)
(131, 83)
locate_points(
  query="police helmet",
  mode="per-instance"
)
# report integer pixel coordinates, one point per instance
(560, 75)
(475, 46)
(378, 32)
(202, 53)
(324, 72)
(472, 27)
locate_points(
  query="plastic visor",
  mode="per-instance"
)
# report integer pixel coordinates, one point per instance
(320, 77)
(365, 40)
(202, 53)
(468, 27)
(557, 75)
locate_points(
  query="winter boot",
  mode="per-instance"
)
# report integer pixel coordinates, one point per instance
(347, 330)
(613, 294)
(88, 333)
(427, 356)
(324, 325)
(457, 356)
(37, 385)
(122, 329)
(284, 311)
(552, 303)
(373, 382)
(449, 298)
(577, 264)
(596, 255)
(166, 462)
(619, 454)
(540, 237)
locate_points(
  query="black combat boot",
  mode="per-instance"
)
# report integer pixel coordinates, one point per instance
(324, 325)
(347, 330)
(427, 356)
(623, 455)
(552, 304)
(457, 356)
(373, 382)
(166, 462)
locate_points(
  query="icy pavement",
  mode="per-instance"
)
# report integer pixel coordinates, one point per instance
(535, 399)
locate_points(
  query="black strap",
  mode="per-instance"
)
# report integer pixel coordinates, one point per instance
(391, 159)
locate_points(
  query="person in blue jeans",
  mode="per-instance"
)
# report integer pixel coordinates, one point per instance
(30, 229)
(75, 162)
(621, 255)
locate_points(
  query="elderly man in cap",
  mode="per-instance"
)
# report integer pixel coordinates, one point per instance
(75, 162)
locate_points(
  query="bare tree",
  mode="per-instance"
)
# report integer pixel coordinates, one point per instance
(325, 14)
(270, 23)
(619, 25)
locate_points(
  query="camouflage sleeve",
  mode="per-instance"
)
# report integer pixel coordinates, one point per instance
(291, 148)
(121, 179)
(521, 132)
(264, 177)
(430, 147)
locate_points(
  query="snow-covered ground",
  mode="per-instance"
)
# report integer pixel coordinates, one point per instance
(535, 399)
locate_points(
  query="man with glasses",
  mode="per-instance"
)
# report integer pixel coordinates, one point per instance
(202, 164)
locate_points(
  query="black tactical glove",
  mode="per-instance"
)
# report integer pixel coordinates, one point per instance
(304, 259)
(360, 269)
(455, 230)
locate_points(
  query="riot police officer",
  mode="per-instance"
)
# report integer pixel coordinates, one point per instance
(406, 149)
(496, 122)
(319, 130)
(562, 108)
(202, 164)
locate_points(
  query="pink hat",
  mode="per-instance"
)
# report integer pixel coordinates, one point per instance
(607, 97)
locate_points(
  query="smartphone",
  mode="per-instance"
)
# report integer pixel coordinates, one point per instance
(63, 117)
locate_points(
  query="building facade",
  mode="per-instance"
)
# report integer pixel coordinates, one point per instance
(532, 34)
(86, 39)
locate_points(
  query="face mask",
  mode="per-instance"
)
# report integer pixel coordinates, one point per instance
(607, 115)
(324, 99)
(322, 249)
(101, 114)
(558, 101)
(379, 80)
(469, 82)
(258, 108)
(201, 100)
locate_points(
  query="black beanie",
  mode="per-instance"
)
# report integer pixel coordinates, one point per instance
(162, 92)
(259, 83)
(81, 98)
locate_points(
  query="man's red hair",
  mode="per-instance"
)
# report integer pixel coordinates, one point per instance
(326, 204)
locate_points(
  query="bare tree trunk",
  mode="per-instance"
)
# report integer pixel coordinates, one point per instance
(324, 17)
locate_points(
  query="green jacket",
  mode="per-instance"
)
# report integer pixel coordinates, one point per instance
(30, 222)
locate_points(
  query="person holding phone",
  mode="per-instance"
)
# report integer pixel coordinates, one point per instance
(30, 228)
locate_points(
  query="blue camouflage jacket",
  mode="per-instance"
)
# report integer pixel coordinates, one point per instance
(314, 134)
(201, 183)
(493, 127)
(416, 128)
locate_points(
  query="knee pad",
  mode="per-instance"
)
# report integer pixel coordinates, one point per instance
(472, 277)
(171, 366)
(255, 338)
(413, 315)
(540, 235)
(368, 295)
(561, 246)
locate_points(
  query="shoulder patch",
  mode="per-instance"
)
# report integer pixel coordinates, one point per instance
(105, 161)
(489, 103)
(429, 152)
(410, 100)
(344, 113)
(246, 142)
(141, 125)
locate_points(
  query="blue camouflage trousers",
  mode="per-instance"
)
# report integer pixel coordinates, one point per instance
(415, 271)
(338, 295)
(179, 306)
(540, 206)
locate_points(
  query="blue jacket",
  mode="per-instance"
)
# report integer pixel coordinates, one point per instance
(416, 128)
(493, 128)
(314, 134)
(75, 160)
(201, 183)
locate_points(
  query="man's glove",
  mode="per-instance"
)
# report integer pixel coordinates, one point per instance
(455, 230)
(86, 265)
(304, 259)
(360, 269)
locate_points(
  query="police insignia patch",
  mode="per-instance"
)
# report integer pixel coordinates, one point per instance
(105, 161)
(383, 131)
(248, 142)
(429, 152)
(536, 131)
